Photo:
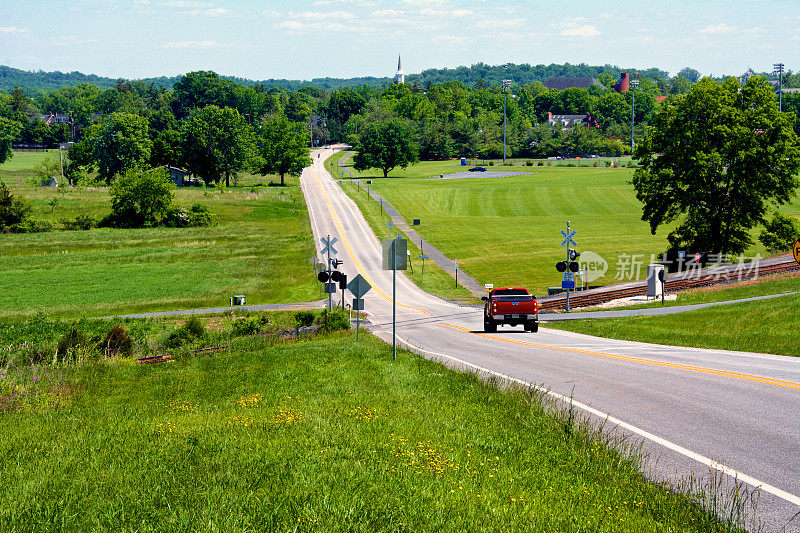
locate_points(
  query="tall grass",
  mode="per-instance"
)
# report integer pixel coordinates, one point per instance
(322, 434)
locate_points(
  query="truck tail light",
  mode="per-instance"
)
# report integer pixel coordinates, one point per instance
(536, 307)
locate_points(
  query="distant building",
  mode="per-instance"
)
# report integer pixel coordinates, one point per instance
(623, 85)
(570, 82)
(176, 175)
(55, 118)
(399, 77)
(567, 121)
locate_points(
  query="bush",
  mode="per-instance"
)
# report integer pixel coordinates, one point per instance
(528, 163)
(140, 198)
(303, 318)
(14, 211)
(779, 234)
(197, 215)
(70, 341)
(249, 325)
(79, 223)
(31, 226)
(491, 163)
(334, 320)
(608, 163)
(189, 332)
(117, 342)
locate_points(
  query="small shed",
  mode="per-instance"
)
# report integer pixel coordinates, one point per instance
(50, 181)
(176, 175)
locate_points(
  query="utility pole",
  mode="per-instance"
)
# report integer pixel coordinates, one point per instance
(779, 71)
(506, 84)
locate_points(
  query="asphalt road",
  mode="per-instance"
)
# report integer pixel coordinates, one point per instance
(695, 410)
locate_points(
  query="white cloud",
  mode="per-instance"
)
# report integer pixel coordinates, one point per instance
(13, 29)
(586, 30)
(430, 12)
(499, 23)
(293, 25)
(327, 15)
(388, 13)
(719, 28)
(192, 44)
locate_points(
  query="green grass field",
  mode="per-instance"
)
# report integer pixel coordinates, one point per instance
(506, 231)
(259, 247)
(768, 326)
(325, 434)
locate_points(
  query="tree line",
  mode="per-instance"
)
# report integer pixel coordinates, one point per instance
(216, 127)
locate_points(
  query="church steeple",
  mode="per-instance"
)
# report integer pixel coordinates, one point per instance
(399, 77)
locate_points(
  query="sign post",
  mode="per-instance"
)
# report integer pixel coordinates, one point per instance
(358, 287)
(329, 249)
(456, 263)
(568, 283)
(395, 253)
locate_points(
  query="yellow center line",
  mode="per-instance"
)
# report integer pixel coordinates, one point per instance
(737, 375)
(353, 255)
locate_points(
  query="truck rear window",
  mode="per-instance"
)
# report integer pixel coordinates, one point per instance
(513, 298)
(510, 292)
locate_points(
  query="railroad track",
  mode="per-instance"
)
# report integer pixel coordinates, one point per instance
(679, 282)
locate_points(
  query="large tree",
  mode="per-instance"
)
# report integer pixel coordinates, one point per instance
(282, 147)
(216, 143)
(385, 145)
(9, 130)
(121, 143)
(140, 198)
(716, 159)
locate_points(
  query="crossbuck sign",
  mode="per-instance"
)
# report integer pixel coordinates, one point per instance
(328, 245)
(568, 238)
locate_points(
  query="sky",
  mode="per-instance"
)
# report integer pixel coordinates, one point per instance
(306, 39)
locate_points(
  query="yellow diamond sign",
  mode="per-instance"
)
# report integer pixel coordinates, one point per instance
(796, 250)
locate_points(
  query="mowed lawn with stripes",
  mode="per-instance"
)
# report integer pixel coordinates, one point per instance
(506, 230)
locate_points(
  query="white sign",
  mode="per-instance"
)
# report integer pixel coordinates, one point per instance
(328, 245)
(568, 237)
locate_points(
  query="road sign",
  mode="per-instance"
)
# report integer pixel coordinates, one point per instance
(328, 243)
(400, 247)
(358, 304)
(389, 224)
(331, 288)
(488, 287)
(569, 281)
(568, 238)
(423, 256)
(456, 263)
(796, 250)
(569, 276)
(359, 287)
(415, 222)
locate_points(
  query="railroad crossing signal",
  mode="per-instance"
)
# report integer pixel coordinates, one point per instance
(328, 245)
(568, 238)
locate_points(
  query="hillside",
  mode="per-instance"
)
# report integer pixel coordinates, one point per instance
(31, 82)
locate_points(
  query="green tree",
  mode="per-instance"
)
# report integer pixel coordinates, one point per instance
(13, 210)
(385, 145)
(121, 144)
(140, 198)
(216, 143)
(717, 155)
(779, 234)
(282, 147)
(690, 74)
(9, 130)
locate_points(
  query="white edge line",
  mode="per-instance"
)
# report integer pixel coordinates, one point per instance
(791, 498)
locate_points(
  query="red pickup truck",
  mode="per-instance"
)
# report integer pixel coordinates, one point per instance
(512, 306)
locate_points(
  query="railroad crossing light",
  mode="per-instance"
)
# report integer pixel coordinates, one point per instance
(336, 263)
(340, 278)
(561, 266)
(573, 266)
(573, 255)
(323, 277)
